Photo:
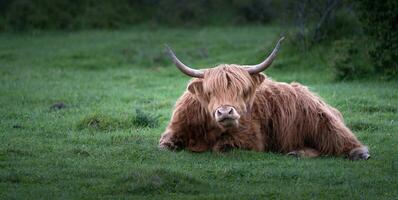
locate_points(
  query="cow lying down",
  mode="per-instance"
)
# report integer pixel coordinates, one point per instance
(232, 106)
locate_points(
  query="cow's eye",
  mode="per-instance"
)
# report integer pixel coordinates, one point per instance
(245, 93)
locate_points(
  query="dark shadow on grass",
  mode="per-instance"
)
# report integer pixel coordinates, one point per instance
(143, 119)
(17, 152)
(8, 57)
(157, 181)
(102, 122)
(80, 152)
(20, 177)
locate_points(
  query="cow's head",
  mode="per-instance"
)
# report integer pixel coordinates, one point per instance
(226, 91)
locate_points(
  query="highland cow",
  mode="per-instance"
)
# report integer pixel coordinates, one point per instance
(232, 106)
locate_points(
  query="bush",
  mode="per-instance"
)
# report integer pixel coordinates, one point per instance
(256, 10)
(23, 15)
(70, 14)
(380, 22)
(343, 25)
(350, 60)
(318, 22)
(181, 12)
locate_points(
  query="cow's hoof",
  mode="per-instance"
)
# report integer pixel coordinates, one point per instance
(360, 153)
(296, 154)
(221, 148)
(169, 145)
(166, 146)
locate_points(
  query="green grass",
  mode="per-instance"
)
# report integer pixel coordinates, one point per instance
(118, 89)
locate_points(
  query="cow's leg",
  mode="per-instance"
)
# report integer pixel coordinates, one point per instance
(305, 153)
(223, 145)
(333, 137)
(170, 141)
(250, 139)
(188, 126)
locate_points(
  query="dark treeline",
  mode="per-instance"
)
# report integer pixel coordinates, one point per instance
(363, 33)
(82, 14)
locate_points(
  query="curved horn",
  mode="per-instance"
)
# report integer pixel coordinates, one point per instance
(254, 69)
(182, 67)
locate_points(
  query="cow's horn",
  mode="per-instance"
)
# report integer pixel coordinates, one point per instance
(254, 69)
(182, 67)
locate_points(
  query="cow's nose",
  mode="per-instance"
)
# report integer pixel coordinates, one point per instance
(225, 112)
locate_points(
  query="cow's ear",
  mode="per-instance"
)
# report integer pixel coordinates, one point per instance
(195, 87)
(258, 78)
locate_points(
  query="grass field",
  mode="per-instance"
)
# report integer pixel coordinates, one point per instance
(81, 115)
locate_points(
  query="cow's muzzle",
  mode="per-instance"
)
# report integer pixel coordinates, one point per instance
(227, 116)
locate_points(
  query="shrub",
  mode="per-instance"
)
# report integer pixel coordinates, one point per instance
(256, 10)
(380, 22)
(181, 12)
(318, 22)
(343, 25)
(23, 15)
(350, 60)
(69, 14)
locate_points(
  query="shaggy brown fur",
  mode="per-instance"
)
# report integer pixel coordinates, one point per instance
(274, 116)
